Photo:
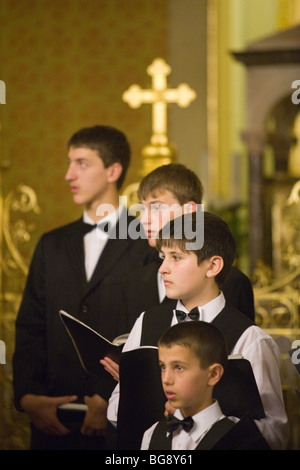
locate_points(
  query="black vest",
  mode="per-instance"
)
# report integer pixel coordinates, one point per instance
(223, 435)
(160, 440)
(229, 321)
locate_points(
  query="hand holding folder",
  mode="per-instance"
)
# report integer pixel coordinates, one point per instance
(91, 346)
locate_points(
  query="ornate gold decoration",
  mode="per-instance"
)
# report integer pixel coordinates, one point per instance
(277, 312)
(294, 197)
(160, 151)
(277, 298)
(18, 233)
(15, 253)
(285, 235)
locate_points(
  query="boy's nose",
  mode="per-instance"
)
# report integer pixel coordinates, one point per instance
(167, 377)
(145, 217)
(163, 267)
(69, 176)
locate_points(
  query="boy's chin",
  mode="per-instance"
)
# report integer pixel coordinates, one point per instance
(152, 242)
(171, 295)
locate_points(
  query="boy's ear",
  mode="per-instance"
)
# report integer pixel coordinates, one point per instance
(189, 207)
(215, 373)
(216, 264)
(114, 172)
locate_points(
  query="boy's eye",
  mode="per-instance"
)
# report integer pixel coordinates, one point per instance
(179, 367)
(162, 366)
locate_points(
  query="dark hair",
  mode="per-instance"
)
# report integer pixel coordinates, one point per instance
(176, 178)
(218, 238)
(204, 339)
(110, 143)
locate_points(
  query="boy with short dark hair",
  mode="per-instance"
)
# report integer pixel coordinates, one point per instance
(194, 277)
(192, 358)
(165, 193)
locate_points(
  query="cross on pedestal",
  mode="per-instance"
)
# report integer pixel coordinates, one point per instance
(159, 96)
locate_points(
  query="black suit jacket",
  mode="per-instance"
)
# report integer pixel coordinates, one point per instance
(45, 361)
(142, 290)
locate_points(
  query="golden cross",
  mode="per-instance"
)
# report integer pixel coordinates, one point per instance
(159, 95)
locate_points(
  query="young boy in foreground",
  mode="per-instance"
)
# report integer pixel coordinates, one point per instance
(194, 277)
(192, 358)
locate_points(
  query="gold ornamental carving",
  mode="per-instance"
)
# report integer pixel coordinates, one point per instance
(277, 297)
(17, 233)
(18, 211)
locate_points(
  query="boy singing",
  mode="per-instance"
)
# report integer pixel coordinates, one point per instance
(192, 358)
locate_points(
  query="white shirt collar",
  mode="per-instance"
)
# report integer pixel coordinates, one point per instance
(113, 217)
(203, 420)
(208, 311)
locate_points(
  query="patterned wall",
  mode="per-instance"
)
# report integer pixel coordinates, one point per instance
(65, 64)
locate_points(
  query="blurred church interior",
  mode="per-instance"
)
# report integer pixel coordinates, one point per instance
(67, 64)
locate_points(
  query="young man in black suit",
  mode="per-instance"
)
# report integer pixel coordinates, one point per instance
(81, 271)
(165, 193)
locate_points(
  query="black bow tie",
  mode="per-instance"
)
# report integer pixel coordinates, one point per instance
(173, 423)
(104, 226)
(86, 228)
(193, 314)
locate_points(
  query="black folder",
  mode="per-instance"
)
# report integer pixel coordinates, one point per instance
(142, 399)
(237, 391)
(90, 345)
(244, 435)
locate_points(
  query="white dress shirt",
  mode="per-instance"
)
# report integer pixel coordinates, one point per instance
(261, 351)
(182, 440)
(161, 287)
(95, 240)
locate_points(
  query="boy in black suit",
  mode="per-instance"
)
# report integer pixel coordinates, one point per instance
(192, 358)
(81, 270)
(194, 275)
(167, 192)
